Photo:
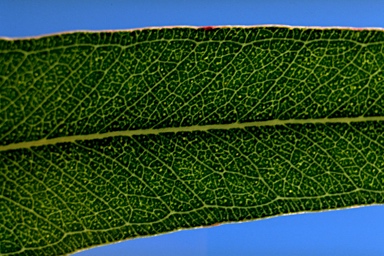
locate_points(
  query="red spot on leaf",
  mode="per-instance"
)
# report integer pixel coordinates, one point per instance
(208, 27)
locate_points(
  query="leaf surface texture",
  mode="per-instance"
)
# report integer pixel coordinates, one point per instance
(114, 135)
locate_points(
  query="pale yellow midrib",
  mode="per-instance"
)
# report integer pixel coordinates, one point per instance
(129, 133)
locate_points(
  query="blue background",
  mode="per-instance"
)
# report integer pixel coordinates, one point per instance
(358, 231)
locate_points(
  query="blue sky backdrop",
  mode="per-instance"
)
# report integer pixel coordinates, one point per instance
(358, 231)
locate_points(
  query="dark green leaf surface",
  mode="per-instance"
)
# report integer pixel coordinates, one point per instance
(109, 136)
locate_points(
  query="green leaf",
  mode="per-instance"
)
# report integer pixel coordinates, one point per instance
(114, 135)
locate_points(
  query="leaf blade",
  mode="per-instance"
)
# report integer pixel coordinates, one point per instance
(187, 178)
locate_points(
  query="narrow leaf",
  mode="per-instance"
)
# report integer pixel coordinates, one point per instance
(115, 135)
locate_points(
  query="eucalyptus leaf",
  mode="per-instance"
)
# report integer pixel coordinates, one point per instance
(106, 136)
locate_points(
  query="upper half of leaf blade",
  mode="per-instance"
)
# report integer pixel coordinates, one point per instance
(86, 83)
